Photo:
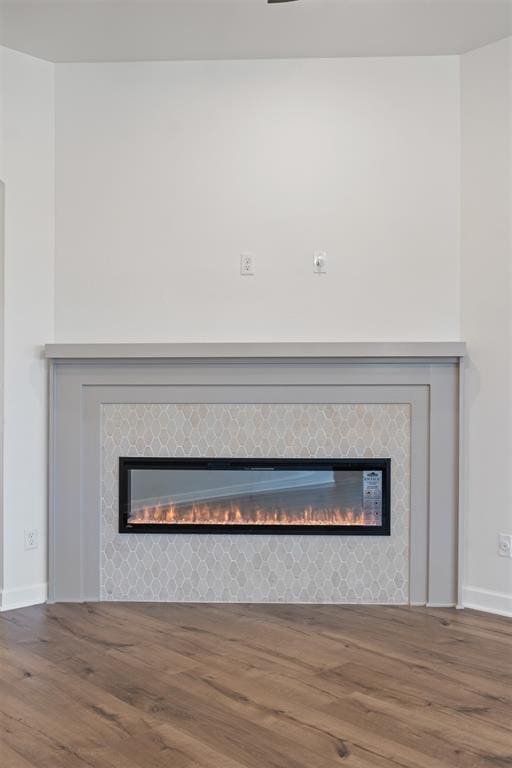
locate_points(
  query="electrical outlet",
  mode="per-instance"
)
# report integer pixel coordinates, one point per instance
(319, 262)
(31, 538)
(505, 545)
(247, 264)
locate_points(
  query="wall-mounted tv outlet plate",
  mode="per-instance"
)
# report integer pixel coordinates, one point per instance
(505, 545)
(320, 262)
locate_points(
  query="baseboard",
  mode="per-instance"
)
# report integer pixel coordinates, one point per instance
(486, 600)
(23, 597)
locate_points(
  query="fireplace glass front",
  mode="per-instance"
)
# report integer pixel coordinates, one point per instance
(309, 496)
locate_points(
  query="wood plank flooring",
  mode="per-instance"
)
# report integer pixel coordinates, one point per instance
(254, 686)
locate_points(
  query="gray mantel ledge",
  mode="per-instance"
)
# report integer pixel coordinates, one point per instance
(420, 349)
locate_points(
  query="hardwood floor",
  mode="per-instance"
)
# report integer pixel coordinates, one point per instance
(250, 686)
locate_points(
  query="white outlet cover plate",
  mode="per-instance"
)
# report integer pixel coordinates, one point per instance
(505, 545)
(247, 264)
(31, 538)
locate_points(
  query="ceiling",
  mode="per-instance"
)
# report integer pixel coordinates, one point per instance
(135, 30)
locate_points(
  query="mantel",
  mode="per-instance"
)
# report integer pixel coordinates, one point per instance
(332, 350)
(245, 399)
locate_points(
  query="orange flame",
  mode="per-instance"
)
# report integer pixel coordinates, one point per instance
(219, 514)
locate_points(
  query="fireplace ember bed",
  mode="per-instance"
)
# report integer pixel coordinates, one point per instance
(277, 496)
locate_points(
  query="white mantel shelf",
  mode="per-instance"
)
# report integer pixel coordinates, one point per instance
(336, 350)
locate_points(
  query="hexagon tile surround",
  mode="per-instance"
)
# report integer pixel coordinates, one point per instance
(260, 568)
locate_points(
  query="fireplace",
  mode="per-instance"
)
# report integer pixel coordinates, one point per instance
(278, 496)
(397, 401)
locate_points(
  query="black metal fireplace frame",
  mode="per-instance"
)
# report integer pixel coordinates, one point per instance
(128, 463)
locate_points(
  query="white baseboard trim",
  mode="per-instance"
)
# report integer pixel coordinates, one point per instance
(486, 600)
(23, 597)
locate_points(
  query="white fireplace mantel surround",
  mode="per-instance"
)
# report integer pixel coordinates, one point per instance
(92, 385)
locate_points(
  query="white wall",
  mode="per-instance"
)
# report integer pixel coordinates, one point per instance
(166, 172)
(486, 89)
(27, 169)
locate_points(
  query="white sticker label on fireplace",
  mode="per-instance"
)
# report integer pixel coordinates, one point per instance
(372, 492)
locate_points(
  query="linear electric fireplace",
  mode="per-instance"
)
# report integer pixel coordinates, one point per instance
(311, 496)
